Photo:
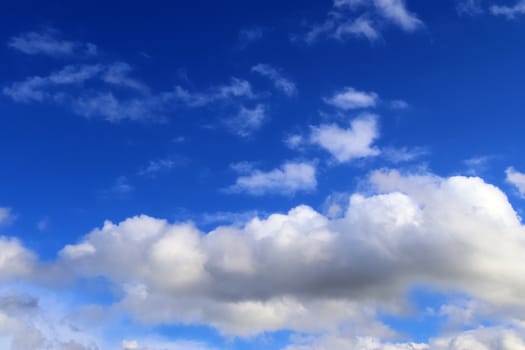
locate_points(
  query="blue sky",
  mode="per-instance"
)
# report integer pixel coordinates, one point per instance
(292, 175)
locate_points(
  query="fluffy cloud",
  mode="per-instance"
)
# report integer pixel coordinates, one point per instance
(281, 83)
(350, 98)
(517, 179)
(304, 271)
(348, 144)
(288, 179)
(48, 43)
(15, 259)
(308, 272)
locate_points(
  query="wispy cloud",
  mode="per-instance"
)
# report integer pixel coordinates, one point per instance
(93, 90)
(350, 98)
(237, 88)
(351, 143)
(281, 83)
(469, 7)
(6, 215)
(247, 120)
(250, 35)
(49, 43)
(155, 167)
(509, 11)
(363, 19)
(290, 178)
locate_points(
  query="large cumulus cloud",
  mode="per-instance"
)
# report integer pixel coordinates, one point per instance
(304, 271)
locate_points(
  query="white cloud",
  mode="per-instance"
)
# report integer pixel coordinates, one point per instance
(281, 83)
(6, 215)
(15, 259)
(350, 98)
(517, 179)
(403, 154)
(89, 91)
(364, 19)
(509, 11)
(348, 144)
(48, 43)
(396, 12)
(306, 272)
(247, 120)
(491, 338)
(288, 179)
(237, 88)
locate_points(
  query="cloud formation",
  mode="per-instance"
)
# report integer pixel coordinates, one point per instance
(350, 98)
(49, 43)
(290, 178)
(349, 144)
(363, 19)
(281, 83)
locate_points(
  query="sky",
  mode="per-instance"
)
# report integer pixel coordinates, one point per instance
(281, 175)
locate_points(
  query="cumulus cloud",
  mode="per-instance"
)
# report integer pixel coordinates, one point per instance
(49, 43)
(281, 83)
(304, 271)
(15, 259)
(290, 178)
(307, 272)
(363, 19)
(350, 98)
(348, 144)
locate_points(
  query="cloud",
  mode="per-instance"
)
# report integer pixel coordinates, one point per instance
(6, 215)
(247, 120)
(363, 19)
(48, 43)
(160, 165)
(303, 271)
(280, 82)
(403, 154)
(490, 338)
(250, 35)
(15, 260)
(509, 11)
(93, 91)
(237, 88)
(469, 7)
(306, 272)
(349, 144)
(288, 179)
(350, 98)
(517, 179)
